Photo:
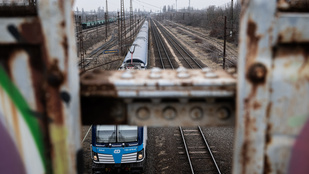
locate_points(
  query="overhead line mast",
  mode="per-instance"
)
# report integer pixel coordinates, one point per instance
(131, 21)
(176, 5)
(106, 20)
(123, 26)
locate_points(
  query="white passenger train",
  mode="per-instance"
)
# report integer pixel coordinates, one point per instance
(137, 56)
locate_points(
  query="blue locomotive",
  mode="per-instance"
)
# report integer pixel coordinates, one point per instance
(120, 149)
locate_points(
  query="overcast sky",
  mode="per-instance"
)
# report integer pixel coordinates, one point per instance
(154, 5)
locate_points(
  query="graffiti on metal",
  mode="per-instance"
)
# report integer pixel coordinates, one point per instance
(39, 103)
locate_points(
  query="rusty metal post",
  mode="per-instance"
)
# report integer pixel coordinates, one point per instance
(62, 87)
(273, 93)
(106, 26)
(224, 43)
(39, 91)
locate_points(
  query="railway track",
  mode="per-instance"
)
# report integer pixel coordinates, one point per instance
(93, 56)
(165, 60)
(187, 59)
(97, 52)
(199, 156)
(230, 51)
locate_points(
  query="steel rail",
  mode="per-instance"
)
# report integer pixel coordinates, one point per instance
(106, 45)
(172, 37)
(99, 66)
(209, 150)
(163, 46)
(186, 148)
(103, 46)
(230, 49)
(178, 51)
(157, 37)
(88, 62)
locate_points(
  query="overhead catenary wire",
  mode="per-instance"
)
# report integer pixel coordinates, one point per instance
(148, 4)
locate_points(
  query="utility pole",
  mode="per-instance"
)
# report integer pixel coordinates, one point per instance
(119, 35)
(96, 23)
(135, 27)
(176, 5)
(106, 20)
(131, 21)
(123, 26)
(224, 45)
(189, 4)
(81, 44)
(232, 23)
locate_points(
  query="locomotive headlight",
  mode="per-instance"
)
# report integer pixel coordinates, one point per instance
(95, 156)
(140, 155)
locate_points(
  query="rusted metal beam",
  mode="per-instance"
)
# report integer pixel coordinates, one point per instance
(156, 97)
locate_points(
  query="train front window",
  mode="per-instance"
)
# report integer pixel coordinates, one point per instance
(106, 134)
(127, 134)
(119, 134)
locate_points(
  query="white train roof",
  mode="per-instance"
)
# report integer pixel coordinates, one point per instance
(140, 44)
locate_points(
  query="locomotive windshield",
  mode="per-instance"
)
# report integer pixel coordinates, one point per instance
(116, 134)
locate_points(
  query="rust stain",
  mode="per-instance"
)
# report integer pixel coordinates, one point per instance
(65, 46)
(54, 105)
(245, 6)
(62, 24)
(252, 42)
(304, 67)
(32, 32)
(257, 73)
(280, 38)
(186, 84)
(245, 158)
(293, 6)
(267, 164)
(256, 105)
(61, 5)
(244, 153)
(37, 69)
(249, 127)
(55, 76)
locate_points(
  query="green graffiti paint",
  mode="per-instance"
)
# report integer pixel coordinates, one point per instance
(23, 107)
(297, 121)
